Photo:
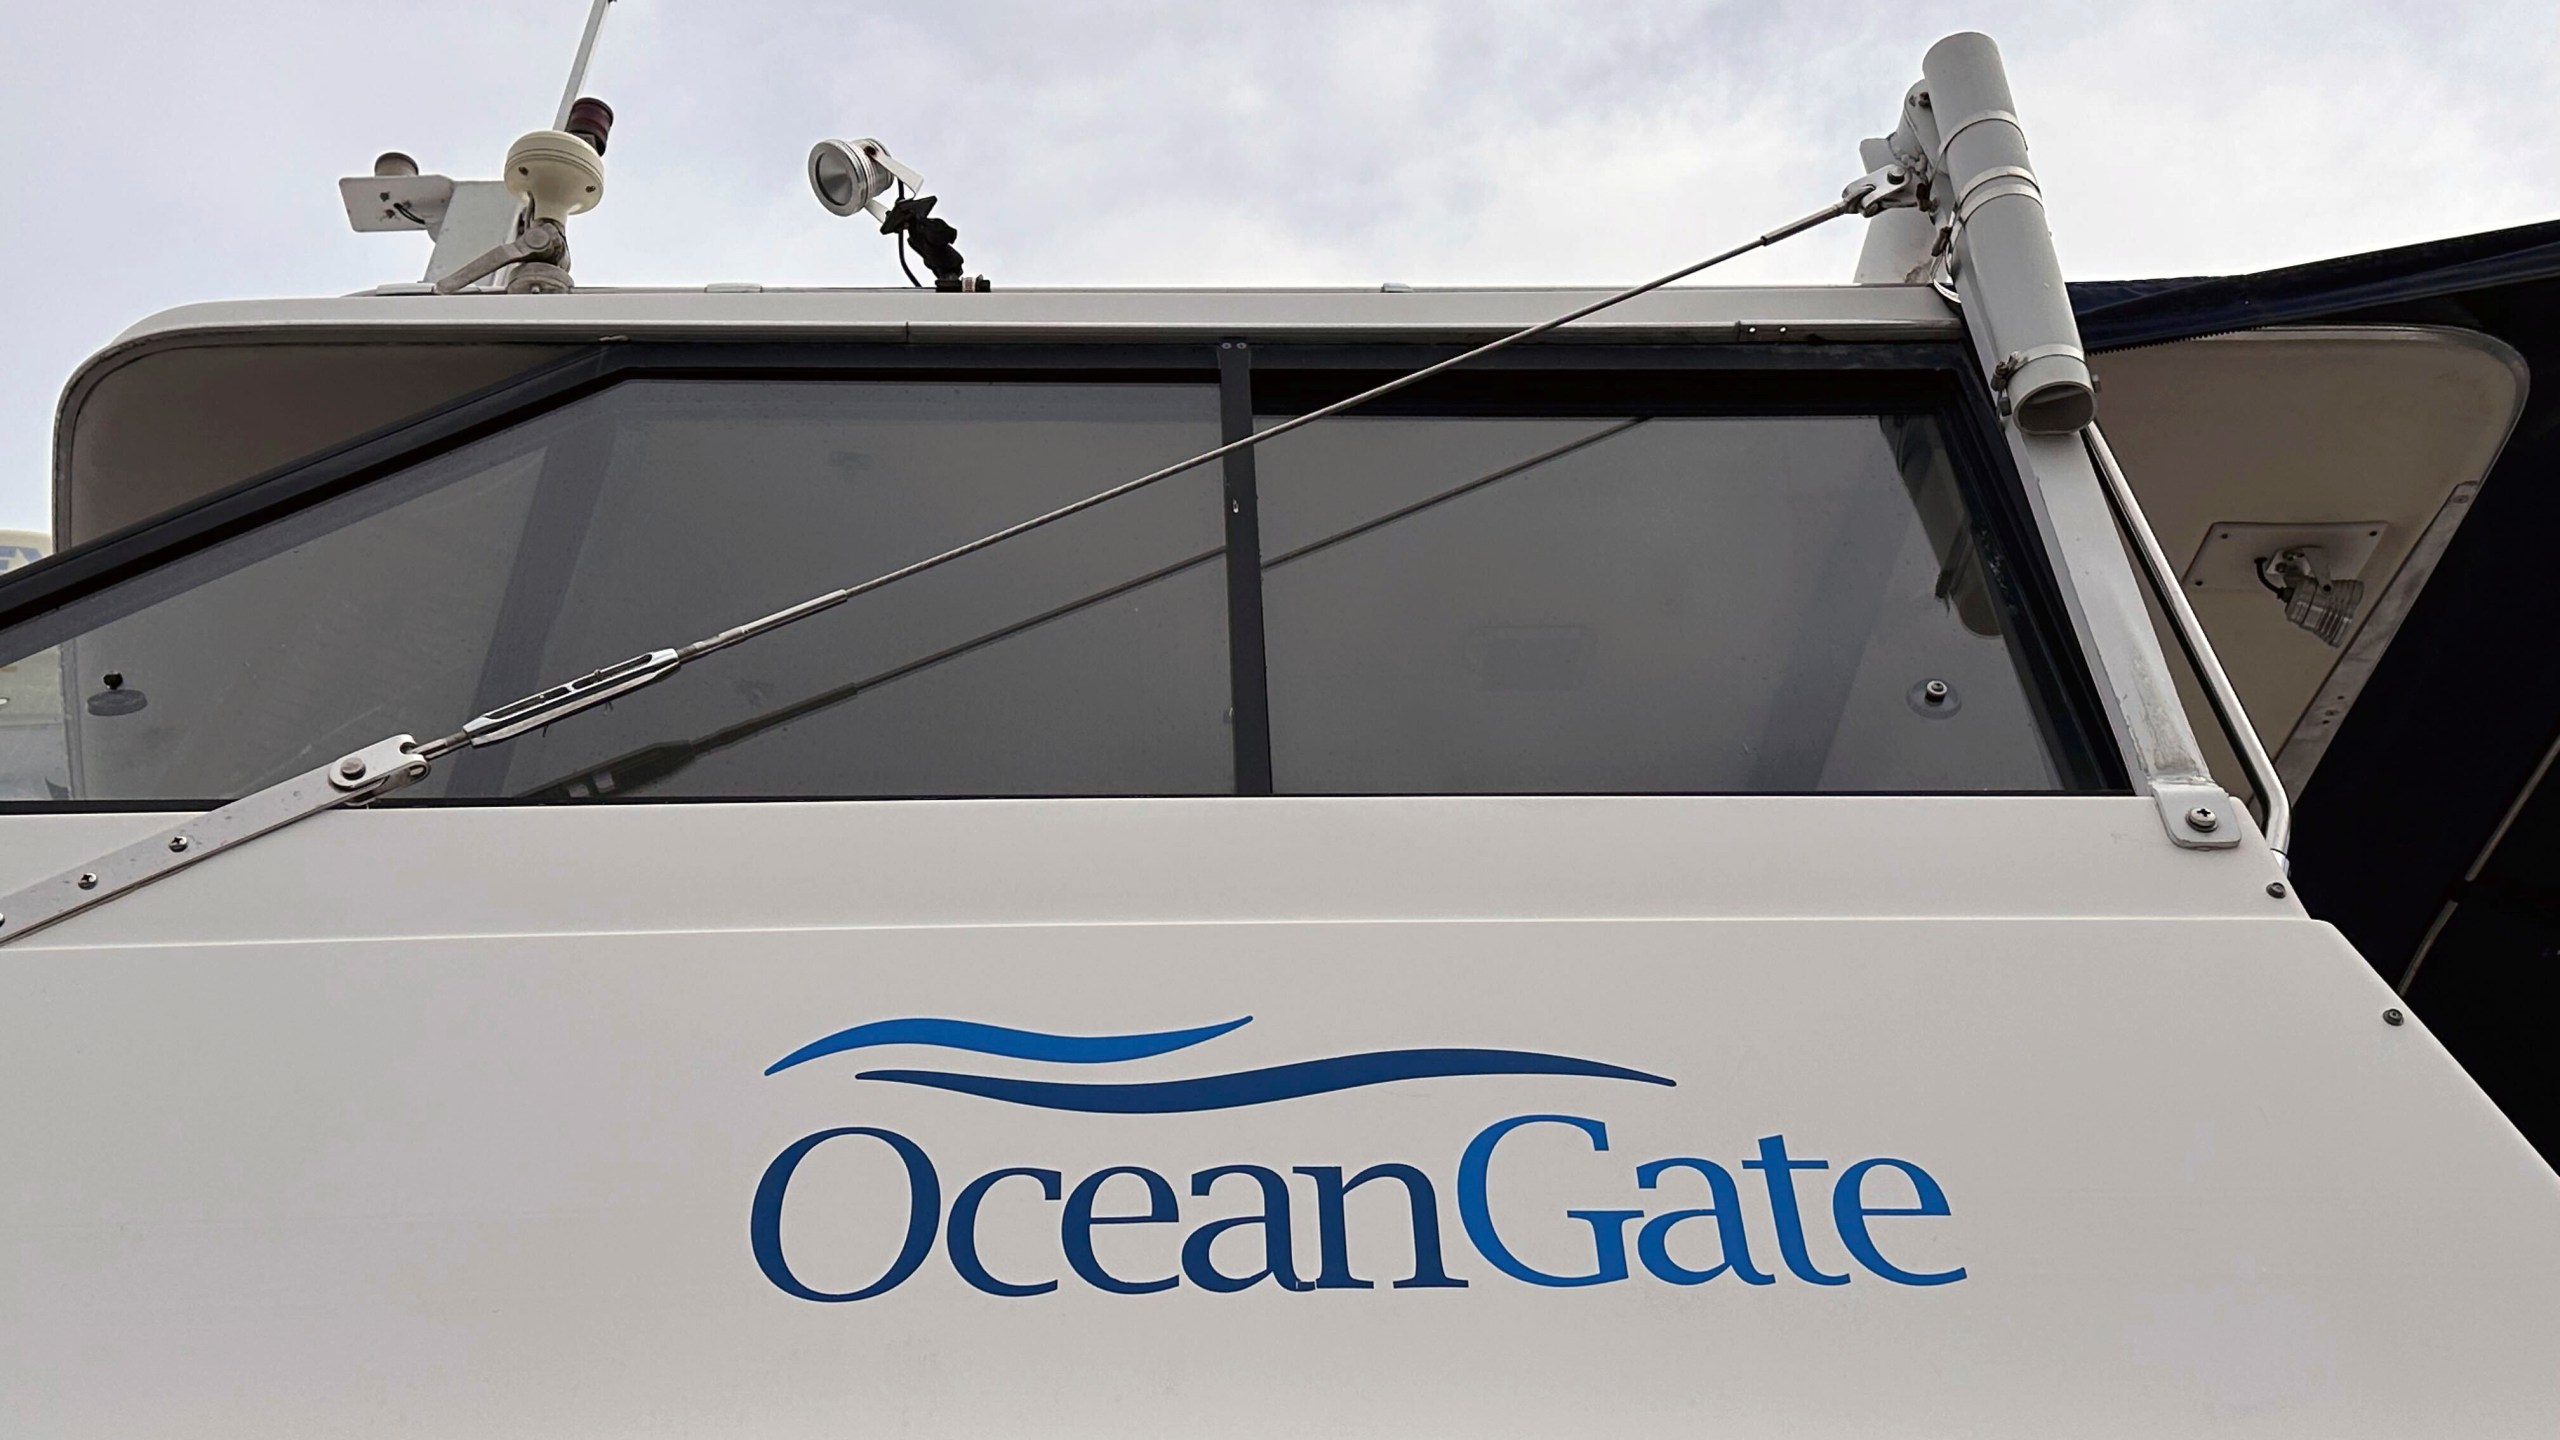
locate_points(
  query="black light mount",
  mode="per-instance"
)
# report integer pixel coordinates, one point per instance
(912, 219)
(852, 177)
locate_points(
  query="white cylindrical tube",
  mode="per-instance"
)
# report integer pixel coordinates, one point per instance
(2005, 264)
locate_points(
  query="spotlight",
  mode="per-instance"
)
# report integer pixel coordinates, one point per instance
(2301, 579)
(852, 175)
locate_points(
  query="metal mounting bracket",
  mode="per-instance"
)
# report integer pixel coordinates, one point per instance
(1896, 186)
(395, 202)
(377, 769)
(2198, 817)
(543, 249)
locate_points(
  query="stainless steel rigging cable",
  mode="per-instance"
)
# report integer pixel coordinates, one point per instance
(618, 679)
(400, 760)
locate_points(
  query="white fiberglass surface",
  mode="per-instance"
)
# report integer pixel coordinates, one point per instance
(1813, 1177)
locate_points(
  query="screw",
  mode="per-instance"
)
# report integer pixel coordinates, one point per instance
(2275, 889)
(2393, 1017)
(2203, 821)
(352, 768)
(1934, 693)
(88, 880)
(177, 844)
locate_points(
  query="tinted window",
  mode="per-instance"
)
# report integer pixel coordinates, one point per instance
(1589, 581)
(1630, 603)
(662, 511)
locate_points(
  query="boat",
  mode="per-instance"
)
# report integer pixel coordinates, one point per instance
(970, 859)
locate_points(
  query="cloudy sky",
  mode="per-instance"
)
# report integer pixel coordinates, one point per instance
(157, 153)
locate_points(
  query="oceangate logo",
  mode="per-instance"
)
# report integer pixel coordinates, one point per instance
(1146, 1197)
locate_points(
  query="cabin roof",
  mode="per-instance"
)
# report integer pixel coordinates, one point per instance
(289, 378)
(1834, 311)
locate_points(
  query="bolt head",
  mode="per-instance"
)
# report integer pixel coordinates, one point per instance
(1935, 692)
(2203, 821)
(2393, 1017)
(352, 768)
(2275, 890)
(88, 880)
(177, 844)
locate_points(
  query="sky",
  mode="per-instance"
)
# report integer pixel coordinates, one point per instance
(154, 153)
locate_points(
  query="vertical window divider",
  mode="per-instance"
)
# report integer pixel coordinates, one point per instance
(1249, 687)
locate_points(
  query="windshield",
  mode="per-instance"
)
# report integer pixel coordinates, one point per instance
(1614, 598)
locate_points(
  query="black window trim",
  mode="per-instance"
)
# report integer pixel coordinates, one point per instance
(1936, 378)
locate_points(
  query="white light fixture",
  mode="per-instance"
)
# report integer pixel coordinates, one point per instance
(850, 176)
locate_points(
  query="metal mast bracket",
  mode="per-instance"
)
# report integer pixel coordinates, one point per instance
(2198, 817)
(374, 771)
(1887, 187)
(541, 253)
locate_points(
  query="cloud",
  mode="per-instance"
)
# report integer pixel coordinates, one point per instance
(159, 153)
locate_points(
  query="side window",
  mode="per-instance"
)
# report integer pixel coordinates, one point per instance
(250, 661)
(1633, 602)
(1576, 580)
(1089, 658)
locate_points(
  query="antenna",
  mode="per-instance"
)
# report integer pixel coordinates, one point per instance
(578, 67)
(518, 224)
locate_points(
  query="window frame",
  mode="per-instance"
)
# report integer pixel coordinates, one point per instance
(1936, 379)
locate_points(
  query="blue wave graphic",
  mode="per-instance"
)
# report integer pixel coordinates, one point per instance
(1260, 1087)
(1003, 1040)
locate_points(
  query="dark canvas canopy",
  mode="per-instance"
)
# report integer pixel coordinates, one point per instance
(2433, 836)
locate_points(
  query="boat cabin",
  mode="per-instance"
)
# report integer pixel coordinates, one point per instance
(1722, 866)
